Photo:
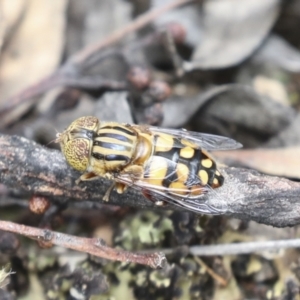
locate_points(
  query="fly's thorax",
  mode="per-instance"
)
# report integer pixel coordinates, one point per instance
(113, 148)
(77, 140)
(144, 149)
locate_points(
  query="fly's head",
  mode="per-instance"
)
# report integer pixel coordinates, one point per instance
(77, 141)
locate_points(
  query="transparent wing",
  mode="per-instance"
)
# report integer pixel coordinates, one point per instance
(203, 140)
(156, 192)
(195, 204)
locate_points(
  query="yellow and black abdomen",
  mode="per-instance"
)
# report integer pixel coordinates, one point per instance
(181, 167)
(113, 147)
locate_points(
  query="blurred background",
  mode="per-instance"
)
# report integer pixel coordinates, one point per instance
(226, 67)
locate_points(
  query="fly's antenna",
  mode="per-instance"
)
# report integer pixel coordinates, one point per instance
(58, 137)
(56, 140)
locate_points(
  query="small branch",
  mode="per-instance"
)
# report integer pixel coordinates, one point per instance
(243, 248)
(69, 73)
(92, 246)
(176, 59)
(135, 25)
(58, 79)
(93, 82)
(31, 92)
(223, 282)
(235, 248)
(246, 194)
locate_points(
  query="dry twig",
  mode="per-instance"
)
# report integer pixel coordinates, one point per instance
(222, 281)
(243, 248)
(92, 246)
(69, 73)
(137, 24)
(246, 194)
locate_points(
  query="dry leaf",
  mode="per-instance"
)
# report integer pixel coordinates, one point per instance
(279, 162)
(276, 51)
(232, 30)
(11, 13)
(35, 48)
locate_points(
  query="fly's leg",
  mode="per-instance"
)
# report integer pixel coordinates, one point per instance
(92, 176)
(86, 177)
(158, 201)
(120, 188)
(132, 173)
(108, 192)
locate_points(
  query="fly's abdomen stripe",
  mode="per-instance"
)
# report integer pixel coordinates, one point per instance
(187, 163)
(193, 165)
(171, 154)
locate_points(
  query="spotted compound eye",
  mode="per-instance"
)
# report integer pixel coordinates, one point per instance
(77, 153)
(89, 123)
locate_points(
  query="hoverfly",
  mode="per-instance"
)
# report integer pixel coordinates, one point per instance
(166, 165)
